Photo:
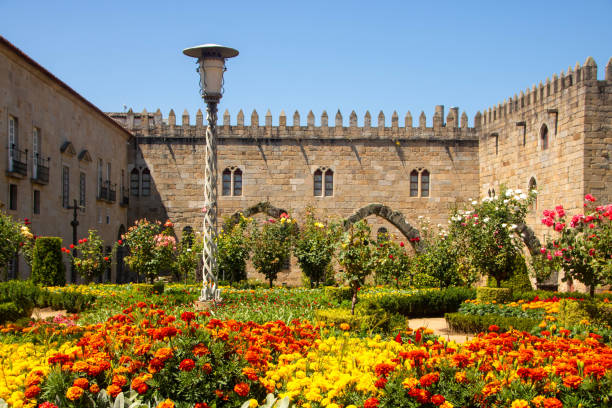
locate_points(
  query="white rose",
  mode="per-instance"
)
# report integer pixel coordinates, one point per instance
(509, 192)
(474, 202)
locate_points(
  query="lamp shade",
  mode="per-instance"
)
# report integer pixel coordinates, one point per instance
(211, 61)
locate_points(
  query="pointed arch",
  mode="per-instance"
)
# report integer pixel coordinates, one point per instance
(395, 218)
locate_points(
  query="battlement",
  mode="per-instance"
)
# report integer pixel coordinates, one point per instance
(153, 125)
(557, 87)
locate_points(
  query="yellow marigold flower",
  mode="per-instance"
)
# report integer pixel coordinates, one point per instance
(410, 382)
(446, 404)
(519, 403)
(537, 401)
(166, 404)
(253, 403)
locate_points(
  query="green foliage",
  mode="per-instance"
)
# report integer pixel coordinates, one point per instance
(274, 241)
(91, 260)
(571, 312)
(152, 248)
(158, 287)
(12, 238)
(422, 280)
(519, 278)
(356, 255)
(314, 248)
(465, 323)
(422, 303)
(381, 321)
(486, 234)
(9, 312)
(189, 254)
(482, 309)
(439, 260)
(48, 267)
(338, 294)
(393, 263)
(583, 247)
(234, 245)
(497, 295)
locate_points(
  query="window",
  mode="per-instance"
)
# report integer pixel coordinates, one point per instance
(496, 145)
(146, 182)
(226, 182)
(414, 183)
(321, 189)
(318, 182)
(12, 196)
(13, 268)
(65, 186)
(425, 183)
(231, 182)
(36, 202)
(122, 184)
(13, 144)
(108, 172)
(100, 177)
(82, 191)
(35, 152)
(544, 137)
(237, 182)
(134, 182)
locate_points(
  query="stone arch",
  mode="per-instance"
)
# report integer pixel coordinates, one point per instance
(395, 218)
(261, 207)
(529, 238)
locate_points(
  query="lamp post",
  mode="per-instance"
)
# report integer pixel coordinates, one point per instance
(74, 223)
(211, 65)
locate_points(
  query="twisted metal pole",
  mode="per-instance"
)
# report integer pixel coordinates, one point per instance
(210, 290)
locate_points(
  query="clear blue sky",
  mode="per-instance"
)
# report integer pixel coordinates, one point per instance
(347, 55)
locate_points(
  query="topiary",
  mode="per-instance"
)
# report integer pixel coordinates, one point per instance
(497, 295)
(48, 267)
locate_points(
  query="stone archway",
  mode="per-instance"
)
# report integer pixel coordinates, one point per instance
(396, 219)
(529, 239)
(261, 207)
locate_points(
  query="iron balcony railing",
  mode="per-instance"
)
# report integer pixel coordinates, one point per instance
(40, 169)
(18, 161)
(108, 192)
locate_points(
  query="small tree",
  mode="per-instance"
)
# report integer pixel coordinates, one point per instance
(486, 234)
(356, 255)
(234, 247)
(392, 262)
(91, 260)
(314, 248)
(152, 248)
(439, 260)
(48, 267)
(272, 246)
(12, 238)
(583, 248)
(189, 255)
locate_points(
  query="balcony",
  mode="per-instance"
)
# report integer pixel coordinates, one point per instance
(40, 169)
(125, 200)
(108, 192)
(18, 162)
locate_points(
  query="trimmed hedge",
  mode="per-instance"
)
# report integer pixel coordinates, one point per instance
(47, 264)
(359, 322)
(546, 294)
(425, 303)
(490, 295)
(475, 324)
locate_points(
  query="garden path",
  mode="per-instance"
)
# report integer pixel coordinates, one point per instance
(40, 314)
(440, 328)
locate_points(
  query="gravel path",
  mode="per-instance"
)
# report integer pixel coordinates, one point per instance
(439, 326)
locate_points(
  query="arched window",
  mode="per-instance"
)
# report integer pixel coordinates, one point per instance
(231, 182)
(329, 183)
(146, 183)
(226, 182)
(382, 234)
(134, 182)
(425, 183)
(544, 137)
(237, 182)
(318, 183)
(414, 183)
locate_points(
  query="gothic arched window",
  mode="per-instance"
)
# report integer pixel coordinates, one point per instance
(425, 183)
(414, 183)
(226, 182)
(146, 183)
(323, 182)
(231, 182)
(544, 137)
(135, 182)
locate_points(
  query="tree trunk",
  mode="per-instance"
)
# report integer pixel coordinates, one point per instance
(592, 290)
(354, 300)
(270, 283)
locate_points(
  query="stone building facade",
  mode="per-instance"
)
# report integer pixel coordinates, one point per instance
(58, 147)
(555, 137)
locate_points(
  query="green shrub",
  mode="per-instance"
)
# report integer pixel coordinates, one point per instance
(376, 322)
(519, 279)
(571, 312)
(474, 324)
(21, 295)
(421, 280)
(497, 295)
(158, 287)
(145, 288)
(338, 294)
(422, 303)
(48, 267)
(9, 312)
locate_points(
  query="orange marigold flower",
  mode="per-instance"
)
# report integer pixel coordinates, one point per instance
(94, 388)
(142, 349)
(187, 365)
(207, 368)
(74, 393)
(537, 401)
(113, 390)
(345, 326)
(164, 353)
(166, 404)
(461, 377)
(572, 381)
(429, 379)
(119, 380)
(250, 373)
(81, 383)
(242, 389)
(200, 350)
(552, 403)
(80, 367)
(438, 399)
(32, 391)
(410, 382)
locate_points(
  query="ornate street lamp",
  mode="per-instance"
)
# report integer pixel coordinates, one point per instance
(211, 65)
